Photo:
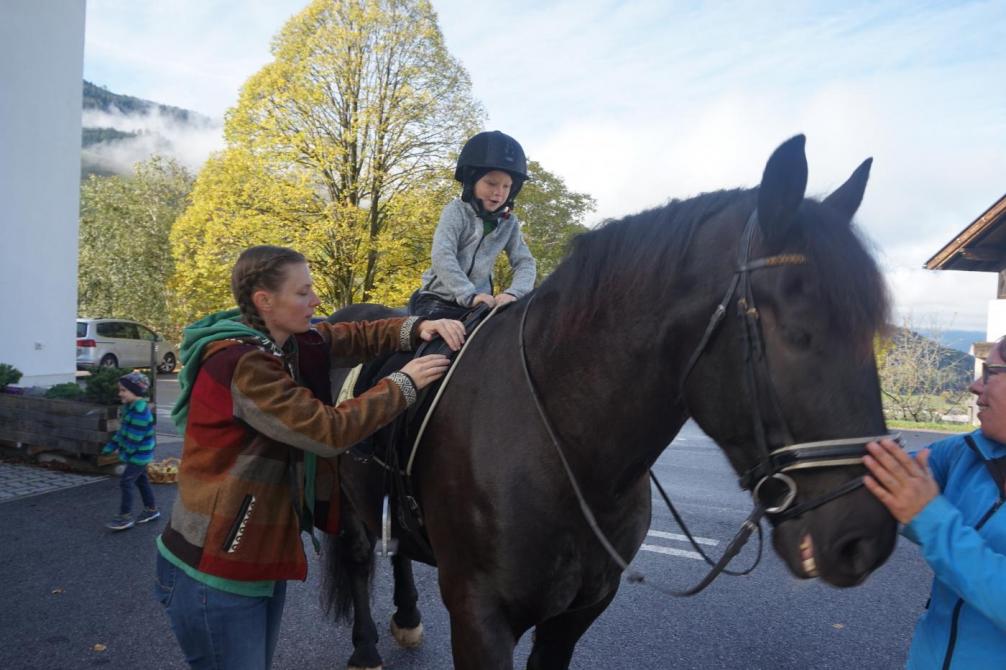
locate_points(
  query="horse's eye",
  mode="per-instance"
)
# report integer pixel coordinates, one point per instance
(798, 338)
(794, 286)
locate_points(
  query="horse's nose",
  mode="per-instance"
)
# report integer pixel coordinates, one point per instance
(860, 555)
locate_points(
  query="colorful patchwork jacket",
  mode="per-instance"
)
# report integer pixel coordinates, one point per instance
(240, 505)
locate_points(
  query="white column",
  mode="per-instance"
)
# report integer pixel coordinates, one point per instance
(41, 72)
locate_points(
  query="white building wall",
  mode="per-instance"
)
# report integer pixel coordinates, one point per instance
(996, 322)
(41, 69)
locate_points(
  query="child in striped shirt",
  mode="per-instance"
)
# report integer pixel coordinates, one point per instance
(135, 443)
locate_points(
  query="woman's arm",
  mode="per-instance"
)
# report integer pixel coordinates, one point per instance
(267, 399)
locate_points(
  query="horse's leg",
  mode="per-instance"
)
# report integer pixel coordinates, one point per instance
(357, 557)
(555, 639)
(481, 638)
(406, 622)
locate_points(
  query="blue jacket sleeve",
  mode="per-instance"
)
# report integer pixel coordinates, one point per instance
(961, 558)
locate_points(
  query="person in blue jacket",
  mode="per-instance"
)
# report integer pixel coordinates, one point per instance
(949, 498)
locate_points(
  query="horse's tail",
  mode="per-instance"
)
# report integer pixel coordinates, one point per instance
(349, 559)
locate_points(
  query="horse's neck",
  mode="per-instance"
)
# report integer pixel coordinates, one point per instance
(609, 392)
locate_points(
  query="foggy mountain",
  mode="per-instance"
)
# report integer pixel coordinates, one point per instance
(120, 130)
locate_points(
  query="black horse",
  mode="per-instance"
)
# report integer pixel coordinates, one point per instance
(751, 311)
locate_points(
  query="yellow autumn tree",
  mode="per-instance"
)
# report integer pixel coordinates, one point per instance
(339, 148)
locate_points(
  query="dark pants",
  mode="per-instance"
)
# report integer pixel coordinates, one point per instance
(434, 307)
(135, 475)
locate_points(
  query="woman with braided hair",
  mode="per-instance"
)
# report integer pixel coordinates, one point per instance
(260, 433)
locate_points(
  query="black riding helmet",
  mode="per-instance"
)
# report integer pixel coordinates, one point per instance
(491, 150)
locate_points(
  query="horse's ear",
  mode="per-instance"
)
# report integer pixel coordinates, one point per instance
(847, 197)
(782, 188)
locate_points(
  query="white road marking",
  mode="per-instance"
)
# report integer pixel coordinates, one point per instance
(670, 551)
(677, 537)
(682, 538)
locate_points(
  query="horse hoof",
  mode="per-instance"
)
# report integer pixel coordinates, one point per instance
(407, 637)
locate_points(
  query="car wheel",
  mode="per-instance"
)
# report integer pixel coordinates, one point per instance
(109, 361)
(168, 364)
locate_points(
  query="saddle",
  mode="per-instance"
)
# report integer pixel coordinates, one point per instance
(392, 446)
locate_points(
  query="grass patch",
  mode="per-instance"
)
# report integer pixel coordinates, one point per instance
(938, 426)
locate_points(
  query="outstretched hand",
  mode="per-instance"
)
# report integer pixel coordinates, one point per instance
(903, 484)
(426, 369)
(452, 331)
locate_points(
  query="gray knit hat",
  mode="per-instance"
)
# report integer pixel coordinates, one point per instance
(136, 383)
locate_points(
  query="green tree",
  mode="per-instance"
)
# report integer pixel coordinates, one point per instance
(922, 380)
(551, 215)
(125, 258)
(348, 133)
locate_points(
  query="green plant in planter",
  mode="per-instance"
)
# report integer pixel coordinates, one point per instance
(8, 375)
(102, 386)
(67, 391)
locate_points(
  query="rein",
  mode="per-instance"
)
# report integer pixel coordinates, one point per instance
(773, 464)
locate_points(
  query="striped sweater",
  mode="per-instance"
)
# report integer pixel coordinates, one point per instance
(240, 500)
(134, 440)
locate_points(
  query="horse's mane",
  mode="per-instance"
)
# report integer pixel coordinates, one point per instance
(639, 252)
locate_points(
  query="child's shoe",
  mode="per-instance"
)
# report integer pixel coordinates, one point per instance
(120, 522)
(148, 515)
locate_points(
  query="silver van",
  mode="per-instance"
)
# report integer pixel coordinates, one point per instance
(120, 343)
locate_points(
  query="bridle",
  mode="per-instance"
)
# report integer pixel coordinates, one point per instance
(770, 472)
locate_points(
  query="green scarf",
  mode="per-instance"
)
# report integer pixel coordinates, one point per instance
(225, 325)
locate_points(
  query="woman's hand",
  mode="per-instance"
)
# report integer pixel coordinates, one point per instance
(485, 299)
(504, 298)
(902, 483)
(452, 331)
(426, 369)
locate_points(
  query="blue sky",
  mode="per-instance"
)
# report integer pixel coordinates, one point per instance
(638, 102)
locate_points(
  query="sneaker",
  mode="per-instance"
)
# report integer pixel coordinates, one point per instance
(120, 522)
(148, 515)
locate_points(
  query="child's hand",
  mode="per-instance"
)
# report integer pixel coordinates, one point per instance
(485, 299)
(503, 299)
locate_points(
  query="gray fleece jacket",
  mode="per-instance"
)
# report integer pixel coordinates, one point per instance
(463, 256)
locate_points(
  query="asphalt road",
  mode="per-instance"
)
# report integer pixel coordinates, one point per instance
(69, 586)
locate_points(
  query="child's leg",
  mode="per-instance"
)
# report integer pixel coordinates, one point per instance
(126, 483)
(146, 491)
(433, 307)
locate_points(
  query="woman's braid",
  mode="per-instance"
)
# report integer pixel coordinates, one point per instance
(261, 267)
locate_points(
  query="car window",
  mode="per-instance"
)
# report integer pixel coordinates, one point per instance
(110, 329)
(129, 331)
(146, 333)
(81, 328)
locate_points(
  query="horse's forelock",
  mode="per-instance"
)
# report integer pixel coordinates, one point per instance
(852, 285)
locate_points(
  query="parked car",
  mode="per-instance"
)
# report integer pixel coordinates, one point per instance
(120, 343)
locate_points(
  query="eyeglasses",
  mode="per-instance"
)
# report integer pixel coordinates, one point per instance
(990, 370)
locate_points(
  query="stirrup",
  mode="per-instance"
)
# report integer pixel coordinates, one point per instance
(388, 546)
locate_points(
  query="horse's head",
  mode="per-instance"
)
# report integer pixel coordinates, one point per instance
(791, 363)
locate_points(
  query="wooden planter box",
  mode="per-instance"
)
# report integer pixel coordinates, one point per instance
(36, 425)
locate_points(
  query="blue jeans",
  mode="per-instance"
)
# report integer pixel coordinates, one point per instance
(135, 475)
(219, 630)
